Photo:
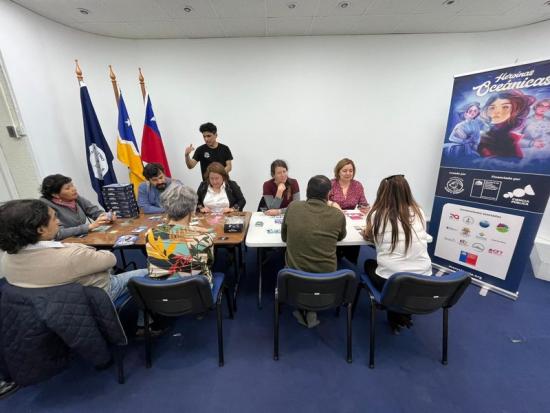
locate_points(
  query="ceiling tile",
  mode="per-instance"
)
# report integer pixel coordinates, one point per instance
(464, 24)
(354, 25)
(488, 7)
(279, 8)
(243, 27)
(437, 7)
(239, 9)
(394, 6)
(289, 27)
(332, 7)
(423, 23)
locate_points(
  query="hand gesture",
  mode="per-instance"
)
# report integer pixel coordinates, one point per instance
(205, 210)
(189, 149)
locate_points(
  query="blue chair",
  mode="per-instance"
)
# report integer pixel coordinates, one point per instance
(178, 297)
(409, 293)
(314, 292)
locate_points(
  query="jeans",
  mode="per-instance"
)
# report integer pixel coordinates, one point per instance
(119, 282)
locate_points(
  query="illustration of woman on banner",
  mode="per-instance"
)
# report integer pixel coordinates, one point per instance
(465, 136)
(536, 133)
(506, 112)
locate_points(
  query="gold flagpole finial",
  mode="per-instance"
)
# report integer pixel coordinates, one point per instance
(78, 71)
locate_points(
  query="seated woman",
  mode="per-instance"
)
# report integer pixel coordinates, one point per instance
(347, 193)
(73, 211)
(176, 248)
(217, 193)
(35, 260)
(397, 226)
(281, 190)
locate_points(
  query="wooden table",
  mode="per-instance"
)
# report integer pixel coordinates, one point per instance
(125, 226)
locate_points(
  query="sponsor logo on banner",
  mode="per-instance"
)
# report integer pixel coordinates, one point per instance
(516, 196)
(468, 258)
(454, 217)
(465, 231)
(503, 228)
(495, 251)
(463, 242)
(451, 228)
(484, 223)
(478, 247)
(481, 236)
(468, 220)
(455, 185)
(499, 241)
(450, 239)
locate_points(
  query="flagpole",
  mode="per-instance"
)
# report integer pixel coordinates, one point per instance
(78, 72)
(142, 84)
(115, 85)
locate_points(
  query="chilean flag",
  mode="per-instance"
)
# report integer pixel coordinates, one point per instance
(152, 149)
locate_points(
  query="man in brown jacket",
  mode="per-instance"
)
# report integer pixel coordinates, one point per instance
(311, 230)
(35, 260)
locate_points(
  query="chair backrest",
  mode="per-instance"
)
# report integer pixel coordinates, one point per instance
(176, 297)
(422, 294)
(316, 292)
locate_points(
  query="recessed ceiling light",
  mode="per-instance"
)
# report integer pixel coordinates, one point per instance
(291, 5)
(344, 4)
(188, 9)
(448, 2)
(83, 11)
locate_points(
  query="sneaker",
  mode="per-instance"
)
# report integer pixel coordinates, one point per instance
(155, 332)
(299, 317)
(7, 388)
(311, 319)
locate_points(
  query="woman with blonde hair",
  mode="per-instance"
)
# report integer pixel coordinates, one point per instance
(397, 226)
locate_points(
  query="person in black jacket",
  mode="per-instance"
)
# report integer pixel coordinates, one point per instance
(217, 193)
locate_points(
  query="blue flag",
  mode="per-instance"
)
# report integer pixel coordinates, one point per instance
(98, 153)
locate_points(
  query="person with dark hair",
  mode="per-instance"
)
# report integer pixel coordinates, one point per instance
(217, 193)
(506, 112)
(35, 260)
(464, 137)
(211, 151)
(149, 192)
(280, 190)
(536, 133)
(311, 230)
(397, 226)
(73, 211)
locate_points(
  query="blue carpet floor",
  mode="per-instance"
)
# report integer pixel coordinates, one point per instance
(498, 362)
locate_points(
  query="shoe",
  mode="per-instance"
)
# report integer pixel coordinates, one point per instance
(311, 319)
(405, 320)
(155, 332)
(7, 388)
(300, 318)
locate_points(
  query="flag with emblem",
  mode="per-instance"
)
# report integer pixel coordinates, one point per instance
(98, 154)
(127, 150)
(152, 149)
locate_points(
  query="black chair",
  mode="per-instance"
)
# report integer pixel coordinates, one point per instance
(178, 297)
(409, 293)
(314, 292)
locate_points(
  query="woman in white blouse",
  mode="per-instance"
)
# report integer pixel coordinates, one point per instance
(217, 193)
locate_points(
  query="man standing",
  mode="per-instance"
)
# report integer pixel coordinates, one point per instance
(211, 151)
(149, 192)
(311, 230)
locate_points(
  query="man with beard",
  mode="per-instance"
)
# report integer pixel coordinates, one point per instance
(149, 192)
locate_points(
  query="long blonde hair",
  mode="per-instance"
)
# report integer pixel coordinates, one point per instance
(393, 205)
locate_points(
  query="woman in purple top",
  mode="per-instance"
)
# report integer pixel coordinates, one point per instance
(346, 192)
(281, 190)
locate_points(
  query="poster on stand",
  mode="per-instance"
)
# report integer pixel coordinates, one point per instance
(494, 177)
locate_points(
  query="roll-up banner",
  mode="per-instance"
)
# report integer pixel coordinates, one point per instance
(494, 178)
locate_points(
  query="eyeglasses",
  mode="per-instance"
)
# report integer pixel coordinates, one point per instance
(393, 176)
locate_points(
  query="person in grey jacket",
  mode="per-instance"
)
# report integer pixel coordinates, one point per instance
(77, 215)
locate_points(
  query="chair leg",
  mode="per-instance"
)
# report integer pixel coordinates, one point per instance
(237, 272)
(119, 360)
(148, 343)
(277, 310)
(372, 321)
(220, 334)
(356, 299)
(445, 335)
(230, 302)
(350, 315)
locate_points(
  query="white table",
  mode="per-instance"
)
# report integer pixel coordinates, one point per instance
(259, 237)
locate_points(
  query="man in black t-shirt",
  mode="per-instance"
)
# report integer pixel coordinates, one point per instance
(211, 151)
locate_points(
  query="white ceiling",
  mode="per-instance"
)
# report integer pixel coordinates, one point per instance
(163, 19)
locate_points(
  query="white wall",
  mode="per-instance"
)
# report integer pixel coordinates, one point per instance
(381, 100)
